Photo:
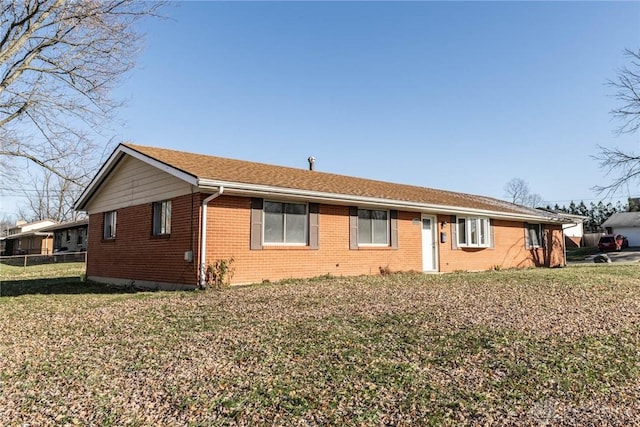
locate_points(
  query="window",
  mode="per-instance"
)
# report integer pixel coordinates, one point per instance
(373, 227)
(110, 225)
(533, 235)
(162, 218)
(285, 223)
(473, 232)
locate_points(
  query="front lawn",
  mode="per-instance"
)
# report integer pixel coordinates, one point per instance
(515, 347)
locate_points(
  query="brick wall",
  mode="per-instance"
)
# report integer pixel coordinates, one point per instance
(508, 252)
(229, 235)
(137, 255)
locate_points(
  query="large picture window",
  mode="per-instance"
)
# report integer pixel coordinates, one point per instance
(162, 218)
(109, 225)
(473, 232)
(373, 227)
(285, 223)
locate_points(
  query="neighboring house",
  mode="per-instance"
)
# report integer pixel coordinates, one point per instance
(29, 238)
(158, 217)
(69, 236)
(625, 223)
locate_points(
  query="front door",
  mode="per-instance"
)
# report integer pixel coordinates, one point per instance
(428, 244)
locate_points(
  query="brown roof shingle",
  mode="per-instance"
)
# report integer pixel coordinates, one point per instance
(239, 171)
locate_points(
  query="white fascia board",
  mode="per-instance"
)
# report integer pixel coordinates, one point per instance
(242, 189)
(27, 234)
(97, 180)
(111, 163)
(162, 166)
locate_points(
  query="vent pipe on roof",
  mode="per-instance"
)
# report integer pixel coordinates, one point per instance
(312, 161)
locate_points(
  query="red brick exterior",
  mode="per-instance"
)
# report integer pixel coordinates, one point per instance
(508, 249)
(229, 233)
(137, 255)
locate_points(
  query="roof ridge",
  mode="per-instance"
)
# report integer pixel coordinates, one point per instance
(302, 170)
(212, 168)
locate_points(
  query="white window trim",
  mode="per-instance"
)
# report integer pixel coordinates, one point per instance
(306, 225)
(376, 245)
(468, 220)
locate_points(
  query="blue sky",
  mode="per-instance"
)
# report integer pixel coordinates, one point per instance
(460, 96)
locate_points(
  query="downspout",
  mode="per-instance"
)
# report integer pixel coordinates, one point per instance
(203, 236)
(564, 246)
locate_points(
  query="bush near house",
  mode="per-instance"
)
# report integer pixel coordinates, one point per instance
(510, 347)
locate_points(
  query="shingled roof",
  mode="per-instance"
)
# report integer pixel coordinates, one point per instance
(623, 219)
(231, 172)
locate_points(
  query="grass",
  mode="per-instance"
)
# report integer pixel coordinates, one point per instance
(44, 271)
(43, 279)
(579, 254)
(514, 347)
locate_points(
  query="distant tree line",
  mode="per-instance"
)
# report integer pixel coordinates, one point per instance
(596, 213)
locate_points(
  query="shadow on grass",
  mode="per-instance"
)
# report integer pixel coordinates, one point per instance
(60, 285)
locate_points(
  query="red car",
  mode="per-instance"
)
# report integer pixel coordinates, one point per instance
(612, 242)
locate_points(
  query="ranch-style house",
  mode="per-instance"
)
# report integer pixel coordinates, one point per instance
(159, 217)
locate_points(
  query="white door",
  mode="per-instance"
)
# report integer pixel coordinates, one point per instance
(428, 244)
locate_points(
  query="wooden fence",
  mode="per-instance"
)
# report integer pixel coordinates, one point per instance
(590, 240)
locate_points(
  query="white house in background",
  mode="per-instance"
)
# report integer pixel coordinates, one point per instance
(28, 238)
(625, 223)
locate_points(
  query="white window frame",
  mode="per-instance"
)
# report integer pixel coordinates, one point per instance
(110, 223)
(388, 233)
(483, 228)
(285, 243)
(161, 218)
(539, 234)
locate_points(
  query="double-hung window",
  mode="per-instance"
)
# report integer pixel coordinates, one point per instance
(473, 232)
(373, 227)
(285, 223)
(162, 218)
(109, 225)
(534, 235)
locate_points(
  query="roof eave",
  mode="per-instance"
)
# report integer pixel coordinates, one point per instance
(120, 151)
(244, 189)
(27, 234)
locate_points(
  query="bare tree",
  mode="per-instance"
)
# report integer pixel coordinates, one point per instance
(534, 200)
(5, 224)
(50, 197)
(59, 61)
(623, 165)
(517, 191)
